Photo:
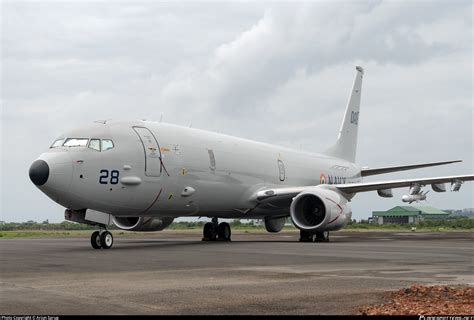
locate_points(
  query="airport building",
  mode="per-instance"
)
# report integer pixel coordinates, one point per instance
(408, 214)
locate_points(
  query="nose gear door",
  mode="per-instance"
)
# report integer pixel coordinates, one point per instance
(152, 152)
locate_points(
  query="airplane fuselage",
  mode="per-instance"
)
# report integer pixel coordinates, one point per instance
(158, 169)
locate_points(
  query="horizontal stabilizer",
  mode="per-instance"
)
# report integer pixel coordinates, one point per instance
(374, 171)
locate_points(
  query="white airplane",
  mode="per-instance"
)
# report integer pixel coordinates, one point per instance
(140, 175)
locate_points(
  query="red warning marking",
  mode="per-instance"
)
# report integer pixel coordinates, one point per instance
(340, 213)
(163, 166)
(154, 201)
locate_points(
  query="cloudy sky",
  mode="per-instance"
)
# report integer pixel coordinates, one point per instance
(273, 72)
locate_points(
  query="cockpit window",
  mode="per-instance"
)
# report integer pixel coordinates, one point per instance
(107, 144)
(57, 143)
(76, 142)
(95, 144)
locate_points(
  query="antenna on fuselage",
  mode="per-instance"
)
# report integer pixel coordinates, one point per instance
(161, 117)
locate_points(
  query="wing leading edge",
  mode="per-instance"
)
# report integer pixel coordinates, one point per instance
(271, 194)
(373, 171)
(372, 186)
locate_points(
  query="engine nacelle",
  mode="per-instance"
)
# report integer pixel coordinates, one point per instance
(274, 224)
(320, 209)
(142, 223)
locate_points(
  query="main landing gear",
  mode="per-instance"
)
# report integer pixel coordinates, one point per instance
(322, 236)
(102, 239)
(216, 231)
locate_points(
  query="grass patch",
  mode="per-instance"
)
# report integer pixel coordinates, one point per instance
(43, 234)
(32, 229)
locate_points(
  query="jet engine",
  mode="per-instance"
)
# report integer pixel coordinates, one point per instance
(275, 224)
(142, 223)
(320, 209)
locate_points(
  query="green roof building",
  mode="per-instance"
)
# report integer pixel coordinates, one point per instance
(408, 214)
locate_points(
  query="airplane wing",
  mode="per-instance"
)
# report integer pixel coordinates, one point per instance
(372, 186)
(373, 171)
(276, 194)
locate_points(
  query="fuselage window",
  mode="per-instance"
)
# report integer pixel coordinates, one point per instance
(281, 168)
(57, 143)
(95, 144)
(107, 144)
(76, 142)
(212, 160)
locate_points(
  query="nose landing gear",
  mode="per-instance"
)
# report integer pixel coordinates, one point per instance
(216, 231)
(102, 239)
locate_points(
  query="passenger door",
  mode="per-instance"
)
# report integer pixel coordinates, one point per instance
(152, 151)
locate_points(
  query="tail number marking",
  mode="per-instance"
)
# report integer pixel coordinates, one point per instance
(355, 117)
(104, 176)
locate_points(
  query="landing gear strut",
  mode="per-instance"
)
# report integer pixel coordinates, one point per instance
(322, 236)
(216, 231)
(306, 236)
(102, 239)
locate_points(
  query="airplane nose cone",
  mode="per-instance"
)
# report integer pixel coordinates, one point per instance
(39, 172)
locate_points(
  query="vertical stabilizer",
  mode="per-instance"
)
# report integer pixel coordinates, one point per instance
(346, 144)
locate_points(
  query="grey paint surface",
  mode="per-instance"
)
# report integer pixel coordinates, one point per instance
(255, 274)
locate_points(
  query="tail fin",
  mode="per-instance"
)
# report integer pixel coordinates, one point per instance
(346, 144)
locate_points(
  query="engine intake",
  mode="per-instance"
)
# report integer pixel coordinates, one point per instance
(310, 211)
(142, 223)
(320, 209)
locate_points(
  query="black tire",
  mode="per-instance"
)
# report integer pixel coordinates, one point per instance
(106, 240)
(208, 232)
(223, 231)
(95, 240)
(306, 236)
(322, 236)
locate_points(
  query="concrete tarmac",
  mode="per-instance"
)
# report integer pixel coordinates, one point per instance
(173, 272)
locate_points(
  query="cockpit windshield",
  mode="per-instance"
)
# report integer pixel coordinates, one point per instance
(107, 144)
(57, 143)
(94, 143)
(76, 142)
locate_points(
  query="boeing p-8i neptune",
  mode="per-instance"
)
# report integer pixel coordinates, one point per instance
(141, 175)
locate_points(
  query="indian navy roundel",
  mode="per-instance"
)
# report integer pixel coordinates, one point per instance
(322, 178)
